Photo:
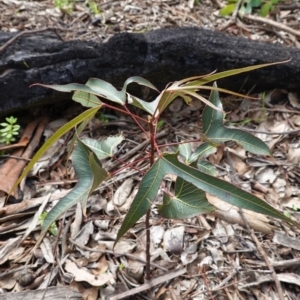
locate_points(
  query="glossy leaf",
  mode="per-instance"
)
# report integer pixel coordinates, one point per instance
(187, 202)
(169, 164)
(225, 74)
(106, 90)
(217, 133)
(99, 175)
(185, 151)
(139, 80)
(203, 151)
(55, 136)
(81, 98)
(85, 175)
(103, 148)
(149, 107)
(207, 168)
(86, 99)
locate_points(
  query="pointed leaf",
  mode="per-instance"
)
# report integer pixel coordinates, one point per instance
(55, 136)
(149, 107)
(89, 173)
(187, 202)
(81, 191)
(216, 132)
(228, 73)
(159, 104)
(169, 164)
(99, 175)
(145, 196)
(165, 98)
(67, 88)
(103, 148)
(139, 80)
(217, 187)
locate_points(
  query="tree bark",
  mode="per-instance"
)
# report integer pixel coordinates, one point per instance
(161, 56)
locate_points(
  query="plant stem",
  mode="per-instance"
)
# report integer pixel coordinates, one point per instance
(152, 129)
(124, 111)
(148, 257)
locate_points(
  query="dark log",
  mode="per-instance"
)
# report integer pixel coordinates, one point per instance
(161, 56)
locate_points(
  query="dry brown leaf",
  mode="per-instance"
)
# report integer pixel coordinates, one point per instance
(75, 226)
(283, 239)
(232, 215)
(123, 192)
(81, 274)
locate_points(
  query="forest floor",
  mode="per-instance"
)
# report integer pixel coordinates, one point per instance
(217, 256)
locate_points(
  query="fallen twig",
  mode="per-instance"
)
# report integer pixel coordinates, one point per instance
(151, 283)
(264, 255)
(271, 23)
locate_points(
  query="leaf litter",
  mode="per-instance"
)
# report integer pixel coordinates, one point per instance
(212, 255)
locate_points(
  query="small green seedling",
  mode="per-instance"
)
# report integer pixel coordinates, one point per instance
(64, 5)
(9, 130)
(248, 6)
(94, 7)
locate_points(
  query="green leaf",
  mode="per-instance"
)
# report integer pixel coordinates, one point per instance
(187, 202)
(86, 99)
(160, 103)
(139, 80)
(265, 9)
(87, 180)
(67, 88)
(81, 191)
(149, 107)
(5, 129)
(207, 168)
(99, 175)
(216, 132)
(227, 10)
(11, 120)
(106, 90)
(169, 164)
(55, 136)
(103, 148)
(185, 151)
(225, 74)
(217, 187)
(255, 3)
(246, 7)
(203, 151)
(101, 92)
